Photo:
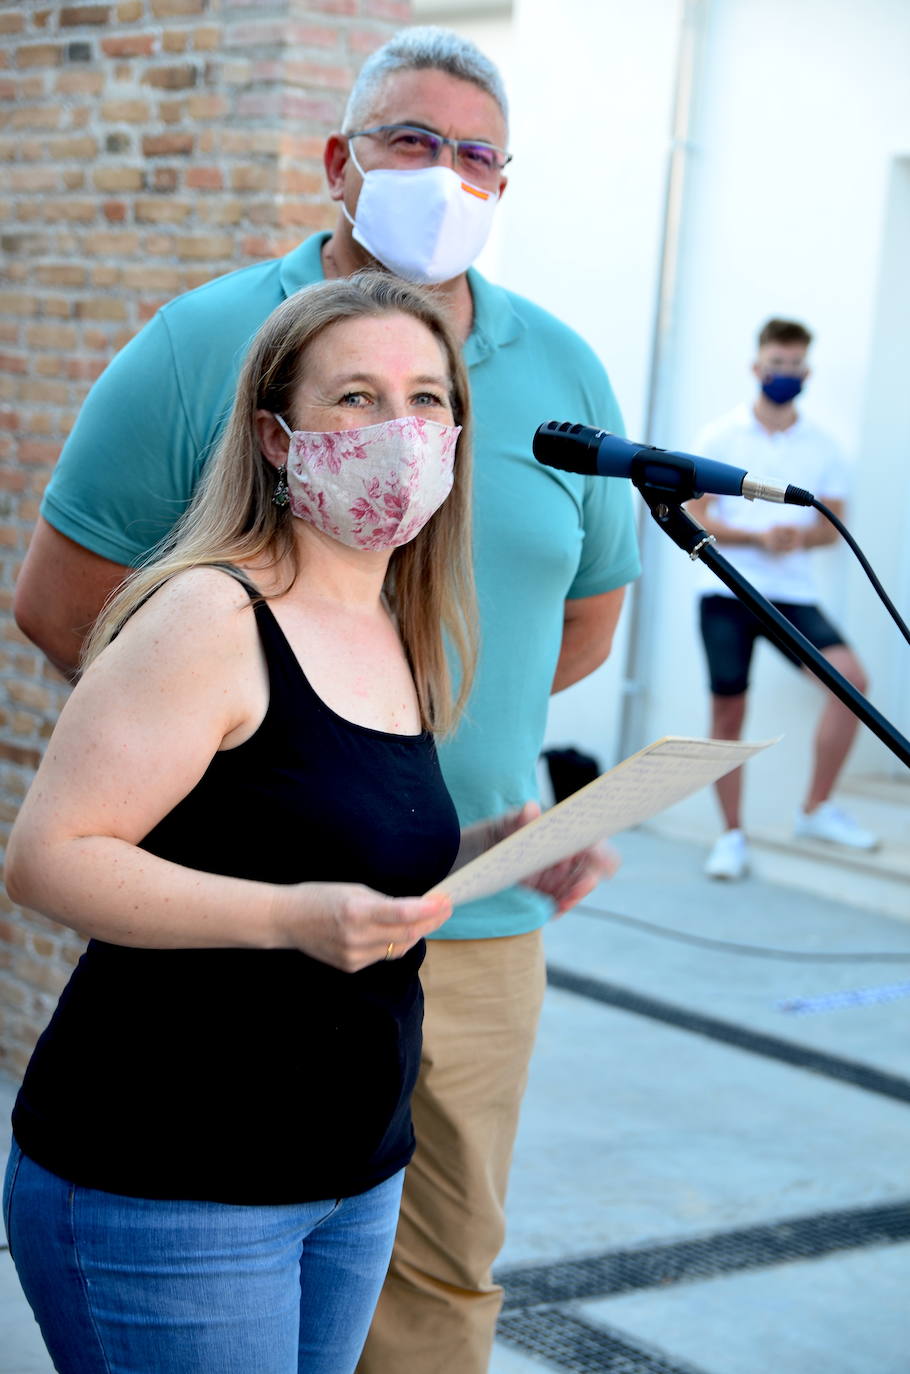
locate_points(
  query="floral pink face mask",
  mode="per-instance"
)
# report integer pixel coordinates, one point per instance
(374, 487)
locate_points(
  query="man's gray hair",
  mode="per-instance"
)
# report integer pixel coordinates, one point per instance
(416, 49)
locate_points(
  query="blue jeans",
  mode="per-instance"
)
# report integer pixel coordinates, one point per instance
(123, 1285)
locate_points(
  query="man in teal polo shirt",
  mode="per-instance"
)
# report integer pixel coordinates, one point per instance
(417, 174)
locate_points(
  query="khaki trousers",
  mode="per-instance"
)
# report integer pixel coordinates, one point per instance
(438, 1309)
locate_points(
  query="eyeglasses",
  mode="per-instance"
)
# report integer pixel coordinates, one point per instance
(407, 145)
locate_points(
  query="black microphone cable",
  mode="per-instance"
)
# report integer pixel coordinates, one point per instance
(864, 564)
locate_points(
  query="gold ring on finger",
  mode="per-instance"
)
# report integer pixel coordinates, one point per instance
(389, 951)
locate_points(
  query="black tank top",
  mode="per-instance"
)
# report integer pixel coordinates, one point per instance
(255, 1076)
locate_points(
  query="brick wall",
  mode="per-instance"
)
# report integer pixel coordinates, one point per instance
(146, 146)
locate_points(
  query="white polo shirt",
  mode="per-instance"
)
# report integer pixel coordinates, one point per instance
(803, 456)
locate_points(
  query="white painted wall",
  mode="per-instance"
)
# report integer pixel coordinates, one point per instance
(798, 203)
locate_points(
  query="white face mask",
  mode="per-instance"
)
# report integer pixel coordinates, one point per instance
(374, 487)
(427, 225)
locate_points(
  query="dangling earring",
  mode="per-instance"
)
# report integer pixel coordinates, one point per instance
(281, 496)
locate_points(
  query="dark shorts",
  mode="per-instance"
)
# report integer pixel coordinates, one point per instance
(729, 630)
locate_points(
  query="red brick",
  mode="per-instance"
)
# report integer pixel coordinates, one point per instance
(69, 211)
(118, 178)
(172, 111)
(115, 211)
(35, 451)
(106, 275)
(179, 77)
(259, 246)
(207, 39)
(211, 246)
(256, 33)
(167, 145)
(44, 392)
(362, 40)
(205, 178)
(207, 106)
(33, 179)
(39, 55)
(84, 369)
(13, 362)
(12, 23)
(303, 213)
(112, 245)
(257, 176)
(396, 11)
(57, 307)
(83, 147)
(56, 336)
(301, 147)
(176, 40)
(101, 308)
(145, 278)
(74, 16)
(125, 112)
(312, 35)
(19, 303)
(167, 9)
(311, 109)
(129, 45)
(129, 11)
(79, 83)
(299, 182)
(309, 74)
(158, 245)
(251, 142)
(222, 211)
(151, 210)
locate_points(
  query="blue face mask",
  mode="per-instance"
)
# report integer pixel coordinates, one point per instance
(781, 389)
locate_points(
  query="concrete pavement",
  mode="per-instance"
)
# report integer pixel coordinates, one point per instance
(711, 1174)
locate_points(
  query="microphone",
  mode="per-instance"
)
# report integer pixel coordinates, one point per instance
(597, 453)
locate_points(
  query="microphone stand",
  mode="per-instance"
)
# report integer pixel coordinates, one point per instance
(664, 489)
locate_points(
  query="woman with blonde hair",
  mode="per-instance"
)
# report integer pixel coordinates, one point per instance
(239, 801)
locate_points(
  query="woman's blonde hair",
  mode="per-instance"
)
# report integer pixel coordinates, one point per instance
(233, 518)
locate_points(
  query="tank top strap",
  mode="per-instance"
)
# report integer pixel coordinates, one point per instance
(284, 669)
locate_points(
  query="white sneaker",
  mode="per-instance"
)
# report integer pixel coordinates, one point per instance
(729, 858)
(828, 822)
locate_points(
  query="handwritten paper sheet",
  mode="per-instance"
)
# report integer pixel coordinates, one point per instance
(642, 785)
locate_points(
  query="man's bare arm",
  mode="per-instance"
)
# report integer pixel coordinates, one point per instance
(59, 593)
(587, 637)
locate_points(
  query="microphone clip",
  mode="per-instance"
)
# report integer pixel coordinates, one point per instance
(664, 487)
(653, 470)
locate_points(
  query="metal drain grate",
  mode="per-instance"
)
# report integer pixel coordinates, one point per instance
(705, 1257)
(569, 1343)
(728, 1033)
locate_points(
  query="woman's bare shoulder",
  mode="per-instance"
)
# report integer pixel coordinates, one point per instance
(199, 614)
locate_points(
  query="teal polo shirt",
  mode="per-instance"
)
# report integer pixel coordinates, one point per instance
(136, 452)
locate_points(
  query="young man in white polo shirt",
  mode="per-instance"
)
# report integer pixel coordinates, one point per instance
(770, 437)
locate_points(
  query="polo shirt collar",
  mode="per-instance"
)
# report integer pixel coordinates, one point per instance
(303, 265)
(495, 320)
